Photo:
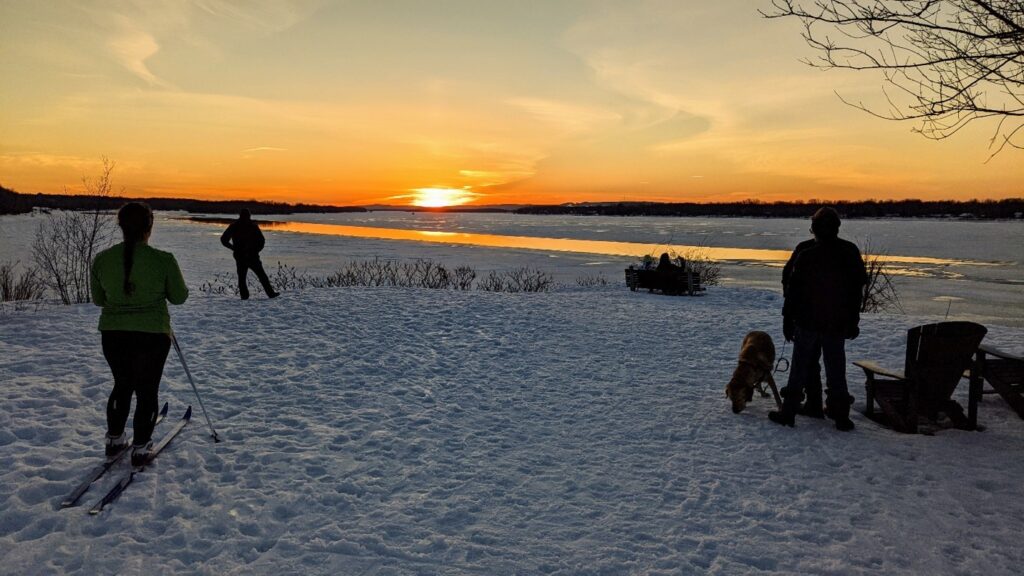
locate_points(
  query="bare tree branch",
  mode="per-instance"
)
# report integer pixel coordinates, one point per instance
(952, 62)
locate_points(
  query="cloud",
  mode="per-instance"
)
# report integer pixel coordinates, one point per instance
(567, 116)
(48, 161)
(131, 47)
(266, 16)
(266, 149)
(139, 27)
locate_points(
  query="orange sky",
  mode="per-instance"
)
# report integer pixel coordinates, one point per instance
(360, 102)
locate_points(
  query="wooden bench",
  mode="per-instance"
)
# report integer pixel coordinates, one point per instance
(1003, 371)
(674, 282)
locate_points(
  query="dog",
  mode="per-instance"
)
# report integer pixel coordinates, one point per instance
(757, 358)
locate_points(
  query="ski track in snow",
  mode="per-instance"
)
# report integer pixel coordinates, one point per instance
(399, 431)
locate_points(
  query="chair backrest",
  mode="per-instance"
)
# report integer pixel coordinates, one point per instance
(937, 355)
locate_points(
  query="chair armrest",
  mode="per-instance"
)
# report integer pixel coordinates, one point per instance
(991, 351)
(871, 367)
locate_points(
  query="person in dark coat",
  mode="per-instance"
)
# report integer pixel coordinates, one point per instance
(665, 264)
(813, 406)
(821, 311)
(246, 241)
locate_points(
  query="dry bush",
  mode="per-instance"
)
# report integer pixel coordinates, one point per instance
(493, 282)
(66, 242)
(379, 272)
(462, 278)
(880, 293)
(526, 279)
(222, 284)
(15, 286)
(697, 260)
(288, 278)
(591, 280)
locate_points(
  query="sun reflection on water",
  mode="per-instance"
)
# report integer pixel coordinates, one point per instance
(921, 266)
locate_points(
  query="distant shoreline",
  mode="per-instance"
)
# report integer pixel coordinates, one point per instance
(1008, 209)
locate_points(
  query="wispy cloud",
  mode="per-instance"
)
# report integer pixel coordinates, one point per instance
(131, 47)
(567, 116)
(262, 15)
(38, 160)
(266, 149)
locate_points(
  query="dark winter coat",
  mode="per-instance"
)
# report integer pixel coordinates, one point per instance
(787, 270)
(244, 238)
(825, 287)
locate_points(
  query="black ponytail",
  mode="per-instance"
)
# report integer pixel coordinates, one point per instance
(135, 220)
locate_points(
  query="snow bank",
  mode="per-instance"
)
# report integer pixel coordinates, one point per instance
(393, 431)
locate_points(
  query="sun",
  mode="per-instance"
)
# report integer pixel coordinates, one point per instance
(441, 197)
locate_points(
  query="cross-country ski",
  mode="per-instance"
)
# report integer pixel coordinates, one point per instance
(127, 479)
(101, 469)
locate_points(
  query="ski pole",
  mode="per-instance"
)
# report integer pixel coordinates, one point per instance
(177, 348)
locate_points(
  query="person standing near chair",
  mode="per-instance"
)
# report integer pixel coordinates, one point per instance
(821, 311)
(246, 241)
(133, 282)
(813, 405)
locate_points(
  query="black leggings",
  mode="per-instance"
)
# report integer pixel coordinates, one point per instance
(137, 362)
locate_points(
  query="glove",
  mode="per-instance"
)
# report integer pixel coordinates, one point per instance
(788, 328)
(853, 332)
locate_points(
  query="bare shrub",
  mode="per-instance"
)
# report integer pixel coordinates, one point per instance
(378, 272)
(288, 278)
(15, 286)
(389, 273)
(284, 278)
(493, 282)
(462, 278)
(591, 280)
(425, 274)
(880, 293)
(526, 279)
(66, 242)
(695, 260)
(221, 285)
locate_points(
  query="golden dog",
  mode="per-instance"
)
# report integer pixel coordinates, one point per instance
(757, 357)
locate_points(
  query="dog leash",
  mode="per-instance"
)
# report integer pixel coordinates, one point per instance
(782, 358)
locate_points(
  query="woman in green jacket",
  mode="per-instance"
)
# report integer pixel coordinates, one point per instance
(133, 283)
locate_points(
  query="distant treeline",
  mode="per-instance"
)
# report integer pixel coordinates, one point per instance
(982, 209)
(1013, 208)
(14, 203)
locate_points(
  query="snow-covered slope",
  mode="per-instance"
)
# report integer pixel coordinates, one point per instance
(586, 431)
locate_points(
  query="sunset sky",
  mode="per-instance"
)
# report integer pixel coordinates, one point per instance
(395, 101)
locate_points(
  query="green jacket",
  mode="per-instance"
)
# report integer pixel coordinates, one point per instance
(157, 280)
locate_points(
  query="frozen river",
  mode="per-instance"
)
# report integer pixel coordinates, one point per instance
(968, 269)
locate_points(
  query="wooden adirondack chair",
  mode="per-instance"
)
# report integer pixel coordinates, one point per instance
(1004, 372)
(937, 355)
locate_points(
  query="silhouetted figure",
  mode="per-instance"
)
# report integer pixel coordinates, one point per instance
(821, 311)
(665, 263)
(245, 240)
(133, 283)
(813, 406)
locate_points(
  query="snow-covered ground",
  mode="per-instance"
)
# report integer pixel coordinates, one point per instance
(403, 431)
